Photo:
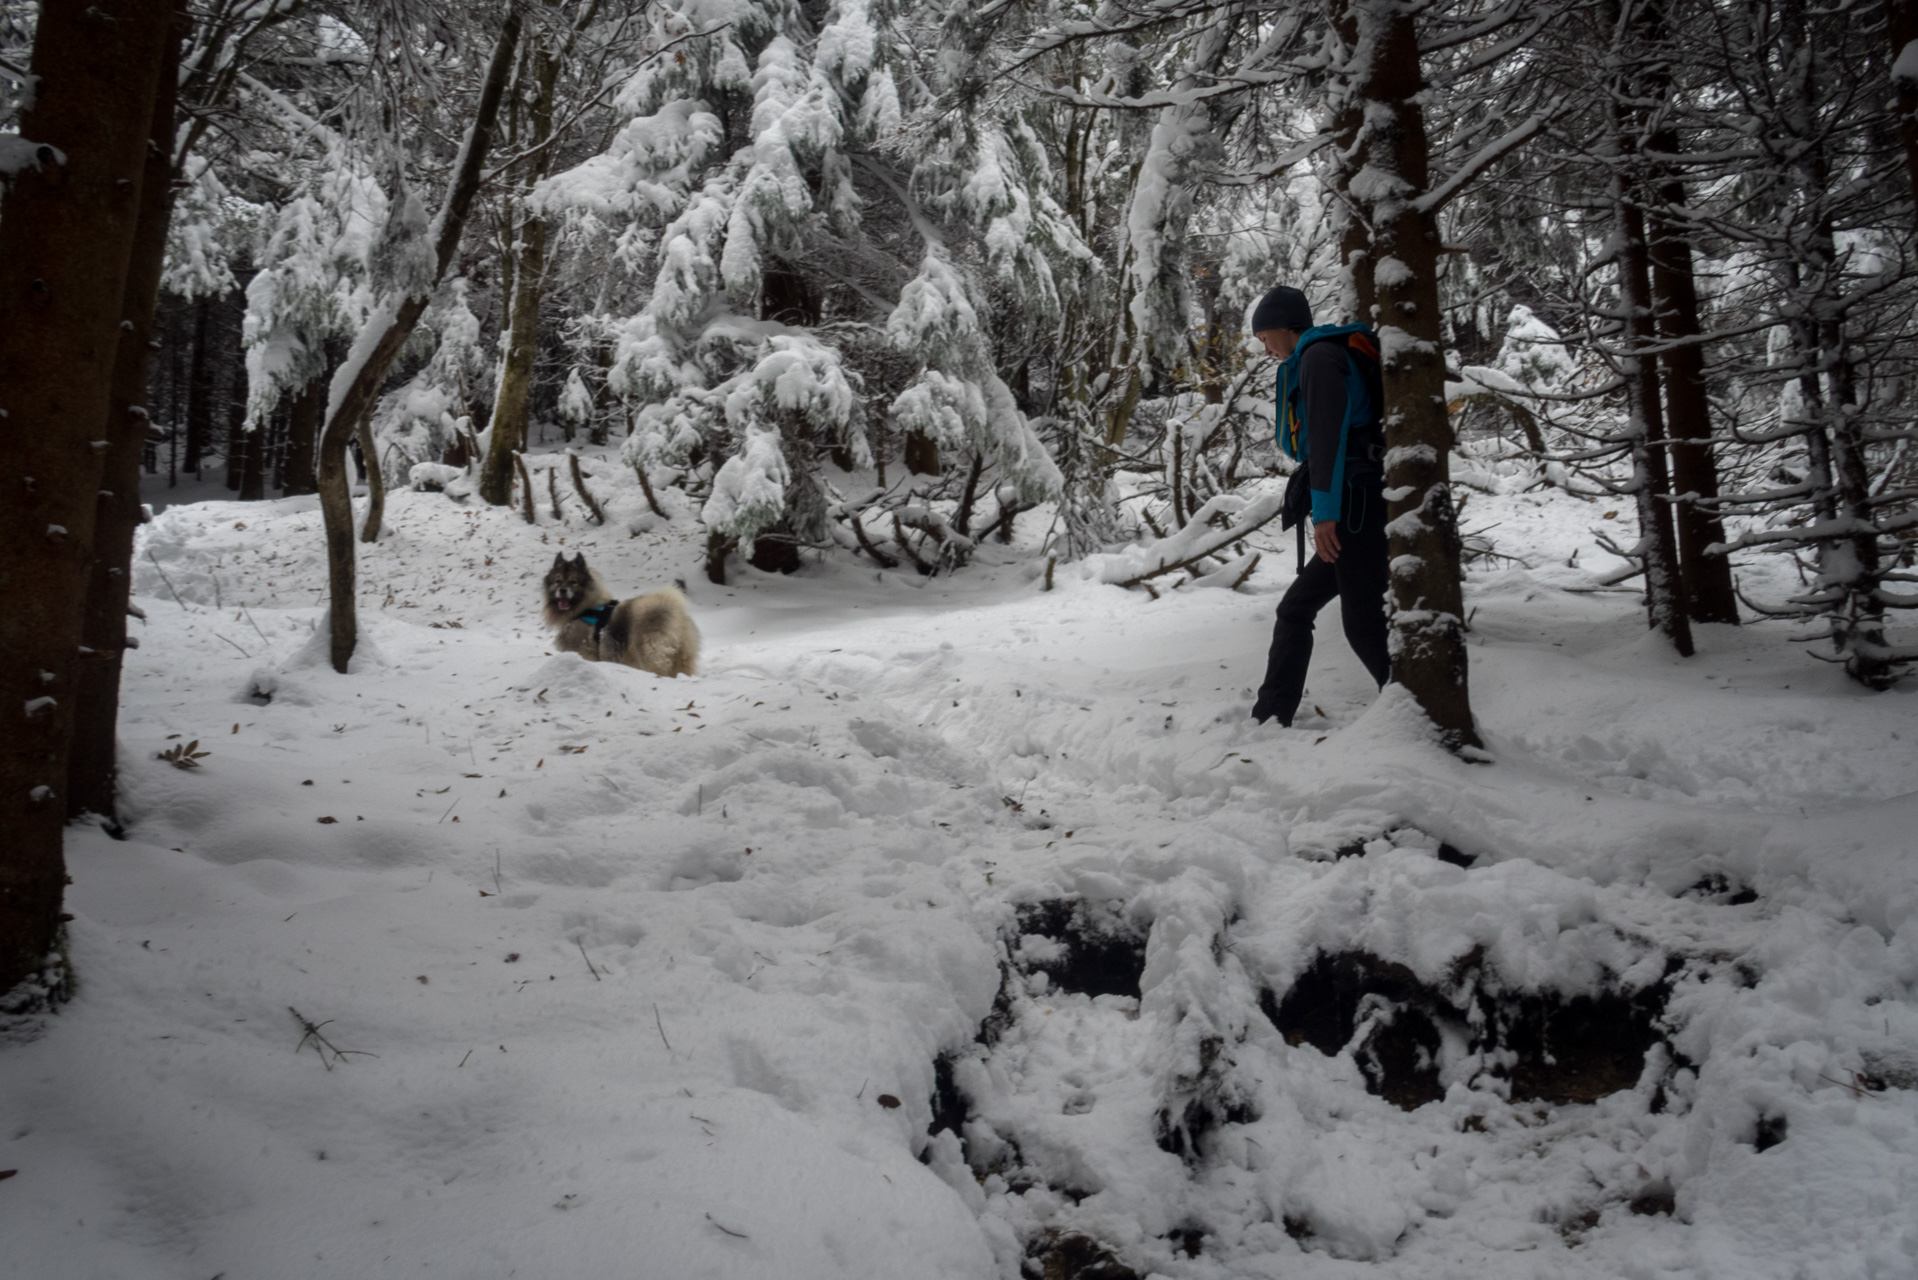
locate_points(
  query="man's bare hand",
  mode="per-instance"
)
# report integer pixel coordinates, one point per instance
(1325, 540)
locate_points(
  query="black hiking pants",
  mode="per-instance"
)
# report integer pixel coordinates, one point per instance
(1357, 578)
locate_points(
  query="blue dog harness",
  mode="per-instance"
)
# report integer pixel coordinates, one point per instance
(598, 616)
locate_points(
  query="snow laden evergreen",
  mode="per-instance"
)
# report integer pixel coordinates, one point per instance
(804, 288)
(431, 413)
(312, 287)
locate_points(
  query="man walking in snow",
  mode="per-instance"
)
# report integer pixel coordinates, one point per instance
(1330, 421)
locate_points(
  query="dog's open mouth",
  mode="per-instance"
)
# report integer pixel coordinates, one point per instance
(563, 601)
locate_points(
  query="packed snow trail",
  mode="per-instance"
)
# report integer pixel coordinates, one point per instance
(949, 927)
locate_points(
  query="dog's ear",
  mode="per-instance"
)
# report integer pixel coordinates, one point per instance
(580, 559)
(559, 559)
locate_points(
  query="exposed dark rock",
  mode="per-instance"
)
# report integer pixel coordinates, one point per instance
(1771, 1132)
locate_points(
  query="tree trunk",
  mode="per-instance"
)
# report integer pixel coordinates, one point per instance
(92, 762)
(1357, 296)
(512, 405)
(396, 319)
(199, 397)
(1664, 601)
(1427, 616)
(375, 479)
(302, 425)
(1901, 20)
(253, 459)
(67, 227)
(962, 514)
(1708, 590)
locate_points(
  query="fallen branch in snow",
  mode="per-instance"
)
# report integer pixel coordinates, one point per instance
(588, 959)
(585, 495)
(321, 1045)
(899, 538)
(1191, 545)
(552, 493)
(737, 1235)
(859, 531)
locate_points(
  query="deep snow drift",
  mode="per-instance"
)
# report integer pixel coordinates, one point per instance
(946, 927)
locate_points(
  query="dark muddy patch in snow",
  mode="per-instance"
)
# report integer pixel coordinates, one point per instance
(1080, 947)
(1554, 1048)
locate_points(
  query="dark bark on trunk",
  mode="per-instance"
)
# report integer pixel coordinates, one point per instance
(962, 515)
(92, 762)
(1651, 484)
(1355, 238)
(512, 405)
(67, 228)
(1707, 580)
(1901, 19)
(375, 479)
(199, 400)
(336, 502)
(302, 428)
(921, 455)
(1427, 616)
(253, 457)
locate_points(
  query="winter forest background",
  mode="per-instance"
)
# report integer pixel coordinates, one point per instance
(956, 293)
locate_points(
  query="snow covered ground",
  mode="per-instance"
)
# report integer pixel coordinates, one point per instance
(944, 927)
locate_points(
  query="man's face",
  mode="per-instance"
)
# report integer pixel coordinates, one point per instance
(1279, 343)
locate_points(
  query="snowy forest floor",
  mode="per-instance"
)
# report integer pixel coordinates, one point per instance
(675, 978)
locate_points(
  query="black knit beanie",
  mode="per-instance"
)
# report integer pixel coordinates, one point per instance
(1282, 308)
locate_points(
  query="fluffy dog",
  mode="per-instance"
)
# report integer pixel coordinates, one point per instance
(652, 632)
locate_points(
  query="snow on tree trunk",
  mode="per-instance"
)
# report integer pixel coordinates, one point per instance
(67, 225)
(417, 266)
(1427, 614)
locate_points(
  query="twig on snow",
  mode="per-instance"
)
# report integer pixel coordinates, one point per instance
(169, 582)
(321, 1045)
(662, 1028)
(588, 959)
